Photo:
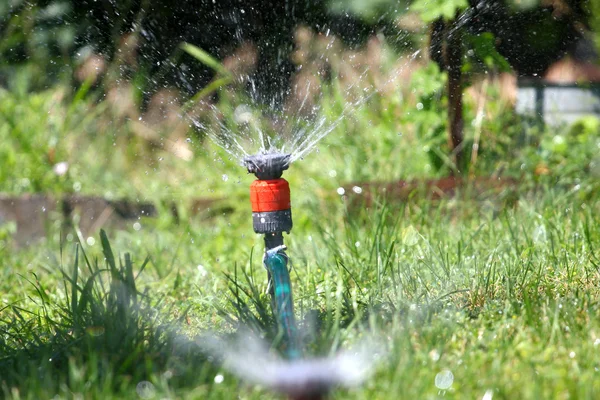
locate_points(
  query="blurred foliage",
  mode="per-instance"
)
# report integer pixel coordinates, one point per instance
(431, 10)
(33, 128)
(484, 54)
(46, 120)
(570, 155)
(429, 119)
(35, 42)
(137, 40)
(139, 35)
(370, 10)
(529, 34)
(593, 10)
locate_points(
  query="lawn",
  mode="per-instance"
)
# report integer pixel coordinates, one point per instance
(481, 294)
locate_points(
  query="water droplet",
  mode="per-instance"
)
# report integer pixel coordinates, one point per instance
(444, 379)
(145, 390)
(572, 354)
(419, 106)
(488, 395)
(61, 168)
(219, 379)
(357, 189)
(90, 241)
(242, 114)
(434, 355)
(341, 191)
(539, 234)
(137, 226)
(357, 244)
(225, 178)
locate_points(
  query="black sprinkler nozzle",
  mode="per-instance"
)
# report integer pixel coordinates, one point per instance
(267, 166)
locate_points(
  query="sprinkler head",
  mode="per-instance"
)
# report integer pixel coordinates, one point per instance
(270, 196)
(267, 166)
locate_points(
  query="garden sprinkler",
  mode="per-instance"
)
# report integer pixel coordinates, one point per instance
(298, 378)
(271, 216)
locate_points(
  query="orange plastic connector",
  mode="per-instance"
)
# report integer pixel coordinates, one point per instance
(270, 195)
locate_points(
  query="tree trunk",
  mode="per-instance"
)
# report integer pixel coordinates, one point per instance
(445, 48)
(454, 60)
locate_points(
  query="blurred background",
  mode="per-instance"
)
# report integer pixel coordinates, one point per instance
(102, 98)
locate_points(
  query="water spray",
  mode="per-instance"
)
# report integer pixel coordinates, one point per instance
(249, 357)
(272, 216)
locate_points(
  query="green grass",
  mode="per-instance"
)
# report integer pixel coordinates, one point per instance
(506, 301)
(503, 295)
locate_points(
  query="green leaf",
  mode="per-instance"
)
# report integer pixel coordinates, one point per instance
(108, 254)
(369, 10)
(431, 10)
(205, 58)
(484, 47)
(428, 80)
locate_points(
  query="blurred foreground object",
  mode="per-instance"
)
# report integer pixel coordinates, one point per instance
(249, 358)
